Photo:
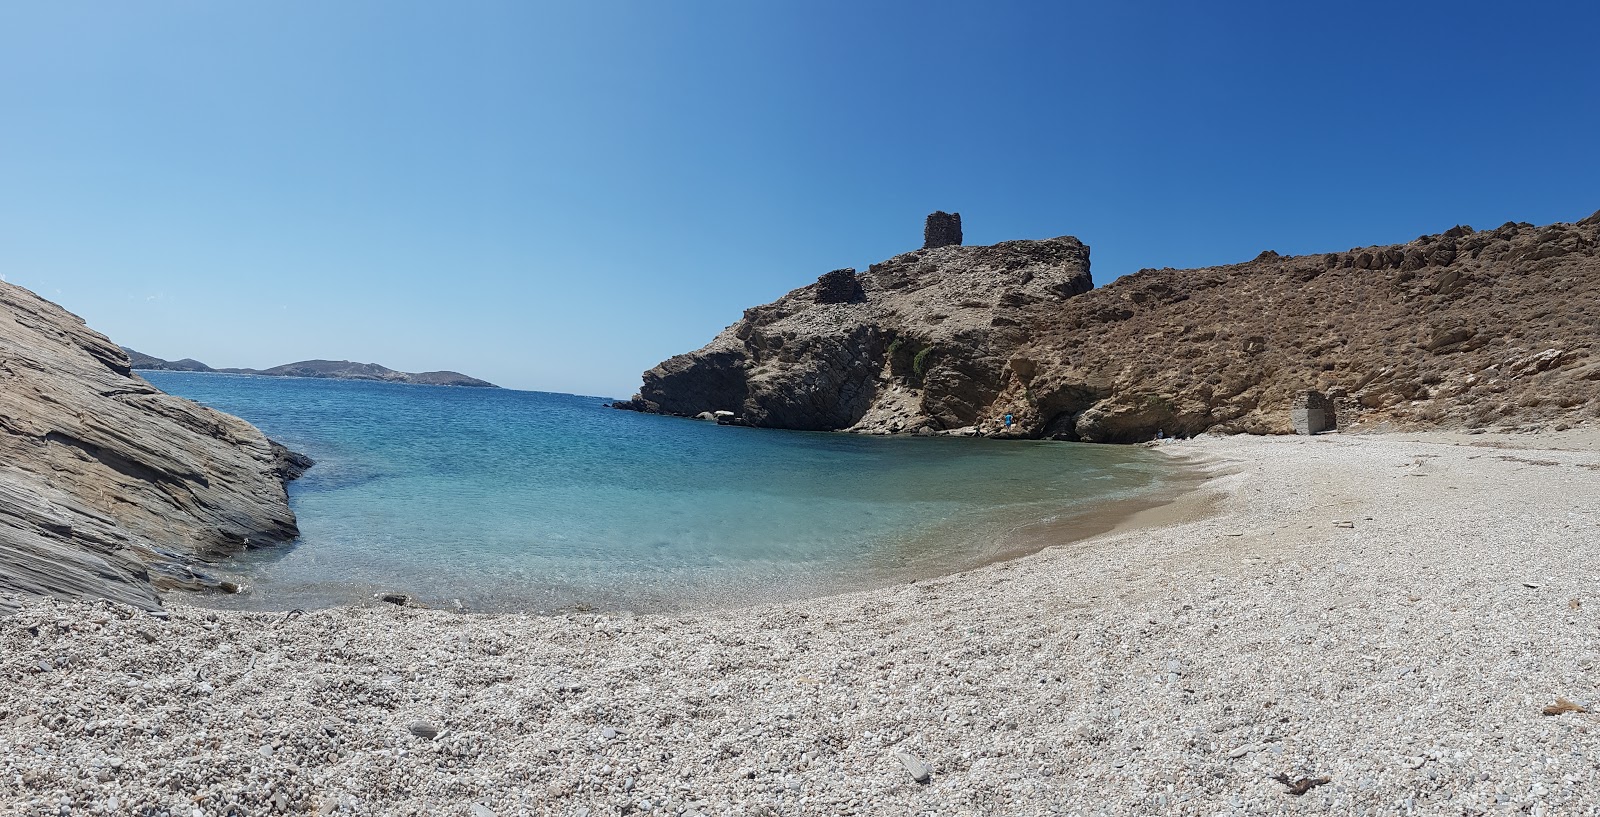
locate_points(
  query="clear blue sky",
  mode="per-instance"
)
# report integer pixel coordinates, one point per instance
(557, 196)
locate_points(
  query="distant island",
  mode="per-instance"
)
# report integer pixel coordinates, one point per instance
(329, 369)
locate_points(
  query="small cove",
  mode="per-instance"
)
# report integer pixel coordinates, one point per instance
(531, 501)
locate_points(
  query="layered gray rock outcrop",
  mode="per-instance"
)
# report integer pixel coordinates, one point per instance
(108, 486)
(929, 339)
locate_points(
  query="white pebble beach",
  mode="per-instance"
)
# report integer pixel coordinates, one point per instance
(1389, 614)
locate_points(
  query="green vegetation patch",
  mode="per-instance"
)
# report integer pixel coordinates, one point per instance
(919, 364)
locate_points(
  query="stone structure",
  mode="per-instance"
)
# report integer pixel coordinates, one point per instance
(840, 287)
(941, 230)
(1311, 413)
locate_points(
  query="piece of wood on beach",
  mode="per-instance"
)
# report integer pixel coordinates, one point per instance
(1303, 785)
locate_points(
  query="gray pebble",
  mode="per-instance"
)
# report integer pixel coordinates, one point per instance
(423, 729)
(919, 770)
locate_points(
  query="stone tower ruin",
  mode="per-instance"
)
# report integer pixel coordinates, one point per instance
(941, 230)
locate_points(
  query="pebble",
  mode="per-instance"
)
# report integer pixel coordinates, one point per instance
(914, 766)
(423, 729)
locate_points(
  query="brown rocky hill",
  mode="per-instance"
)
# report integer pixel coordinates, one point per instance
(110, 487)
(1463, 329)
(923, 337)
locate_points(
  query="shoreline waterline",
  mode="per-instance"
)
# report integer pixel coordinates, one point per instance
(1355, 611)
(533, 501)
(1178, 496)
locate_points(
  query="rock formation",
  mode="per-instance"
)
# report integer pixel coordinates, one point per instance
(141, 360)
(929, 341)
(941, 230)
(328, 369)
(840, 287)
(109, 487)
(1462, 329)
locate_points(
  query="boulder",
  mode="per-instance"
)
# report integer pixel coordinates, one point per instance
(840, 287)
(109, 487)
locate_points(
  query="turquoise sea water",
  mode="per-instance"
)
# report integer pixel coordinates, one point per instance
(519, 500)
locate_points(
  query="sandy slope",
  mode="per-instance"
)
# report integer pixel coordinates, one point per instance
(1153, 671)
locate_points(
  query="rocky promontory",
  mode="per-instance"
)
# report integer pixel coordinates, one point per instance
(1461, 329)
(110, 487)
(921, 339)
(328, 369)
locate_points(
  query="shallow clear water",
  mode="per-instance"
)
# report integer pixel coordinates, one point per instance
(534, 501)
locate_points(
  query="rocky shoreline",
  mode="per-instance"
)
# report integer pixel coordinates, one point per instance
(108, 486)
(1331, 625)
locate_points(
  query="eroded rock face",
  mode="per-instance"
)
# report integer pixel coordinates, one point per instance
(1463, 329)
(928, 343)
(110, 487)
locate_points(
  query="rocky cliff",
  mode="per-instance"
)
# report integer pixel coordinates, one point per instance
(921, 339)
(109, 487)
(1460, 329)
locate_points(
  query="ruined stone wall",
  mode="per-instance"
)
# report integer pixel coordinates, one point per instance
(1311, 413)
(1343, 410)
(941, 230)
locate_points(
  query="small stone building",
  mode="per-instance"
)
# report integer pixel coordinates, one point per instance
(1312, 413)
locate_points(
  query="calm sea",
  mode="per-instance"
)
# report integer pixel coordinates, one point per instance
(515, 500)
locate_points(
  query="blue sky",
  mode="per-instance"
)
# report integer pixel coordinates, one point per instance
(557, 196)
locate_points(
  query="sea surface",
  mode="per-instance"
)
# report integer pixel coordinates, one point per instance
(516, 500)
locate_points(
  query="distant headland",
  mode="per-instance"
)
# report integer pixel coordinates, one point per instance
(328, 369)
